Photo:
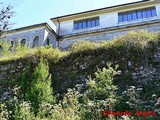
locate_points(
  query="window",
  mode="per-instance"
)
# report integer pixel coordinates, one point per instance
(80, 25)
(125, 17)
(76, 26)
(154, 13)
(48, 42)
(12, 43)
(120, 18)
(134, 15)
(23, 42)
(129, 16)
(144, 14)
(149, 13)
(93, 23)
(138, 14)
(87, 23)
(1, 48)
(97, 22)
(35, 42)
(84, 24)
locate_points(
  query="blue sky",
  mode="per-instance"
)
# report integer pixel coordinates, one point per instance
(29, 12)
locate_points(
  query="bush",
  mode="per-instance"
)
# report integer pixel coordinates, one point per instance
(40, 89)
(102, 86)
(69, 107)
(23, 111)
(4, 113)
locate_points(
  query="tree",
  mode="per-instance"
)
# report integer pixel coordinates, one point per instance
(40, 89)
(5, 14)
(102, 86)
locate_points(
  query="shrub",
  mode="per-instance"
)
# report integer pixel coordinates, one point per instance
(4, 113)
(40, 89)
(84, 46)
(69, 107)
(23, 111)
(100, 94)
(102, 86)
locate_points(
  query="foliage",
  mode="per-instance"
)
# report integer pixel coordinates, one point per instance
(40, 89)
(4, 113)
(17, 51)
(8, 51)
(128, 41)
(5, 48)
(84, 46)
(100, 94)
(130, 100)
(23, 111)
(102, 86)
(69, 107)
(39, 71)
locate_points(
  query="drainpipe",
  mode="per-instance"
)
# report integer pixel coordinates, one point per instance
(58, 30)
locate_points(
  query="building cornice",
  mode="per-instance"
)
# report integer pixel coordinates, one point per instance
(103, 10)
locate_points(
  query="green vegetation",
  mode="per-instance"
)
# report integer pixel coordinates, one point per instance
(49, 84)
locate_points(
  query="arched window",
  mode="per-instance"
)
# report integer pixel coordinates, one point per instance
(12, 43)
(23, 42)
(1, 48)
(35, 42)
(48, 42)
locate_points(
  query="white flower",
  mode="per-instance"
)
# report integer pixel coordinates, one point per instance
(139, 89)
(154, 95)
(90, 104)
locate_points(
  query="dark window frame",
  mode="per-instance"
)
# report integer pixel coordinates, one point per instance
(12, 43)
(137, 14)
(23, 42)
(1, 48)
(48, 41)
(86, 23)
(34, 41)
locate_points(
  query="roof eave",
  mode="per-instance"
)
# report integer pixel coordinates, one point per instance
(54, 20)
(46, 25)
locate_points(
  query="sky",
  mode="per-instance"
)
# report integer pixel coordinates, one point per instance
(30, 12)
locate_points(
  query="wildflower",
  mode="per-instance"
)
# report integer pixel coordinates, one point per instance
(139, 89)
(154, 96)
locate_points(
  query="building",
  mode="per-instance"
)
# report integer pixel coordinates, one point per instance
(97, 25)
(107, 23)
(33, 36)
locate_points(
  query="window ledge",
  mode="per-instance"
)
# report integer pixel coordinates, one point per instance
(137, 21)
(86, 29)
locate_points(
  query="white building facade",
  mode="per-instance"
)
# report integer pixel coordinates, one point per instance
(107, 23)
